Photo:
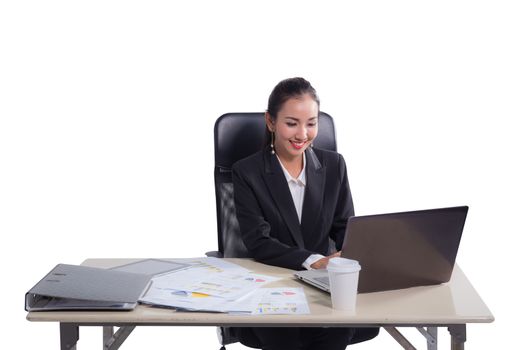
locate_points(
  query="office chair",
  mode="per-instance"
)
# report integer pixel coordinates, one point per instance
(238, 135)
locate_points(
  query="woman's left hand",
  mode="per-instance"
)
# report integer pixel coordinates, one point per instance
(322, 263)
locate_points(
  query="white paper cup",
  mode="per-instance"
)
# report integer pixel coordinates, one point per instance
(344, 276)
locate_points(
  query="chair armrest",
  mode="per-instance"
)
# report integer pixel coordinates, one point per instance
(214, 254)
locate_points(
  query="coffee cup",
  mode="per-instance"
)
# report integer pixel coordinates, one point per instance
(344, 276)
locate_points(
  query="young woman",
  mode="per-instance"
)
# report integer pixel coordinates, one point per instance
(290, 200)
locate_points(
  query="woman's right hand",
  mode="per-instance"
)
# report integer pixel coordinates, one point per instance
(322, 263)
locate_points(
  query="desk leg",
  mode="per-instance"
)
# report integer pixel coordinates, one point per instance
(68, 336)
(107, 334)
(114, 341)
(401, 340)
(458, 336)
(431, 335)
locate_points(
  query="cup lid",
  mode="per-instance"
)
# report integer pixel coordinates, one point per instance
(343, 265)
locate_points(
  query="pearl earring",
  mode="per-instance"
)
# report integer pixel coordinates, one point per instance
(271, 144)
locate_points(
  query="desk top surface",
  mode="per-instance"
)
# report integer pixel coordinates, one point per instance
(455, 302)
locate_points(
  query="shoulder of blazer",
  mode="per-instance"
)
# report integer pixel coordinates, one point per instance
(326, 157)
(260, 160)
(250, 163)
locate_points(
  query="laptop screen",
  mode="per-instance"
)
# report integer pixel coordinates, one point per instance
(402, 250)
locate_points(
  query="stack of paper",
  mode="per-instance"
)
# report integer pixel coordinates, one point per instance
(219, 286)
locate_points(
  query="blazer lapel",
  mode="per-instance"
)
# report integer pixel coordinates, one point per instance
(277, 186)
(313, 196)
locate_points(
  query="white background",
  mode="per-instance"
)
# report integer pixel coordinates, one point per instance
(106, 137)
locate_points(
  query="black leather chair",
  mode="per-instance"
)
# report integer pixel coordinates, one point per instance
(238, 135)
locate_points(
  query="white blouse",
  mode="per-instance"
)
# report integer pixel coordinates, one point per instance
(297, 187)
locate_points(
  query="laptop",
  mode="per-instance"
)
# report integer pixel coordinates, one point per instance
(399, 250)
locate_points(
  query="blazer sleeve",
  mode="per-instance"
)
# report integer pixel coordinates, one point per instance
(256, 231)
(344, 208)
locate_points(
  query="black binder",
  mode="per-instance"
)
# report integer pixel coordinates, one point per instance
(73, 287)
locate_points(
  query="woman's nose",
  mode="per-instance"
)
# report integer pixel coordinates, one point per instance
(302, 133)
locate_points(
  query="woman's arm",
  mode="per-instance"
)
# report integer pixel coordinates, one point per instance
(344, 208)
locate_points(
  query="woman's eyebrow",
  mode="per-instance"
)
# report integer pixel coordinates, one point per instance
(296, 119)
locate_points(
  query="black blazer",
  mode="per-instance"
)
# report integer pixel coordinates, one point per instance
(267, 217)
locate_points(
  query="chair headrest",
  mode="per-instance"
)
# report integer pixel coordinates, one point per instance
(239, 135)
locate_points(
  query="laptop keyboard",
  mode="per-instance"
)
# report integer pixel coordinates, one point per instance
(324, 280)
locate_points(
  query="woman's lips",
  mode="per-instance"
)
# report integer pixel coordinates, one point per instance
(298, 145)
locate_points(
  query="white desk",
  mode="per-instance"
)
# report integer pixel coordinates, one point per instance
(451, 305)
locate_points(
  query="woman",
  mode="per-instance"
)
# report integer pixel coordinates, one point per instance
(290, 200)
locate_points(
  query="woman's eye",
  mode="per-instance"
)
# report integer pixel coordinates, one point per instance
(312, 124)
(291, 124)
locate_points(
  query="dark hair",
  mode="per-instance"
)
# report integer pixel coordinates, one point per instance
(285, 90)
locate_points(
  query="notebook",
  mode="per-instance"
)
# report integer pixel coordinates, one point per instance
(399, 250)
(152, 267)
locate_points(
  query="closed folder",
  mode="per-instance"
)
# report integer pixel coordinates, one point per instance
(73, 287)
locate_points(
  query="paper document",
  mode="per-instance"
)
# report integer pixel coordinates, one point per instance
(215, 285)
(213, 264)
(263, 301)
(228, 285)
(189, 301)
(273, 301)
(205, 289)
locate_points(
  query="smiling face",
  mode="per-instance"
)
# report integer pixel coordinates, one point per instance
(295, 127)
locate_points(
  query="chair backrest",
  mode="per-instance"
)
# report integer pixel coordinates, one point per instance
(238, 135)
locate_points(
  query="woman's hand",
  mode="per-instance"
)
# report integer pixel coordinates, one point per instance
(322, 263)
